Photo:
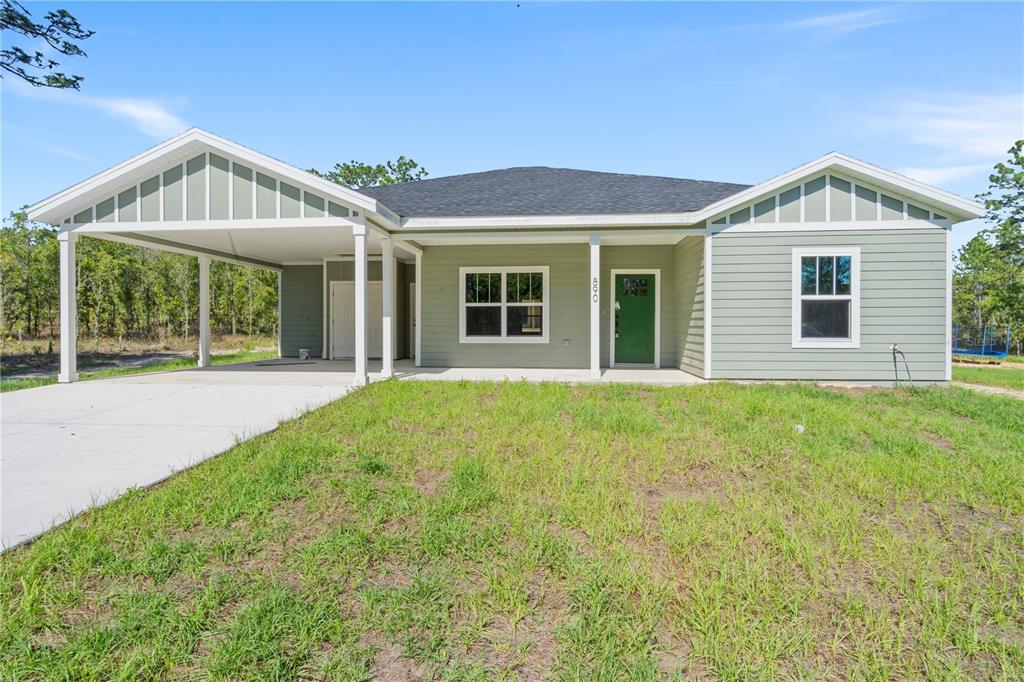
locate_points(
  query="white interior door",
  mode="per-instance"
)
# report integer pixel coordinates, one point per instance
(343, 319)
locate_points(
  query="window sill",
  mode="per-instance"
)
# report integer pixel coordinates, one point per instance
(831, 343)
(502, 339)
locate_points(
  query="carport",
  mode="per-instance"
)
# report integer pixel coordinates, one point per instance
(203, 196)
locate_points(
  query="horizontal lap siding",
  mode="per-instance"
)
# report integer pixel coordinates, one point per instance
(903, 301)
(301, 309)
(639, 260)
(569, 314)
(689, 287)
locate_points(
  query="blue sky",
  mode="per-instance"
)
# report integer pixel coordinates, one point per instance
(737, 92)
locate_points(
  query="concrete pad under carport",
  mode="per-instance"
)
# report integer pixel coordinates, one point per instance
(66, 448)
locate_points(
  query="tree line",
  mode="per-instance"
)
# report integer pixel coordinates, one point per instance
(124, 291)
(988, 275)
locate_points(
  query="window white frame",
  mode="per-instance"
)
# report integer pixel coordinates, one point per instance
(504, 305)
(854, 297)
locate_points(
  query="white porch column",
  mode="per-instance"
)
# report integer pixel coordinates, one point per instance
(419, 309)
(595, 307)
(387, 349)
(68, 309)
(359, 235)
(204, 311)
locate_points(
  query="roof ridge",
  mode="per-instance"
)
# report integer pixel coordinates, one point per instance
(563, 168)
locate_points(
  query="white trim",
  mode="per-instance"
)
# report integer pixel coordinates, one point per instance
(854, 297)
(323, 296)
(360, 238)
(949, 304)
(838, 226)
(419, 309)
(204, 310)
(209, 199)
(708, 307)
(172, 247)
(657, 310)
(387, 313)
(668, 235)
(280, 315)
(545, 304)
(68, 371)
(204, 225)
(595, 307)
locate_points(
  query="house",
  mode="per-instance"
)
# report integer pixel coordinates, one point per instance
(813, 274)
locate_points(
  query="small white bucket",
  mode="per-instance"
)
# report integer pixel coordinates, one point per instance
(303, 354)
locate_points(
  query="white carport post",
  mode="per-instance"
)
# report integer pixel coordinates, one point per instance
(595, 307)
(204, 311)
(359, 235)
(387, 353)
(68, 309)
(418, 340)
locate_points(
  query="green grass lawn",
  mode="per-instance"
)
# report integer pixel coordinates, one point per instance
(475, 530)
(15, 384)
(1005, 377)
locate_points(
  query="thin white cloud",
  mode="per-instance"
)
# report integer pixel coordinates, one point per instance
(946, 174)
(843, 22)
(957, 126)
(150, 116)
(64, 151)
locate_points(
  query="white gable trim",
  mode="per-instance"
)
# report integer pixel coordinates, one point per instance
(193, 141)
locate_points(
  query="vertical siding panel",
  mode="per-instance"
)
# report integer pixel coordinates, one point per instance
(689, 287)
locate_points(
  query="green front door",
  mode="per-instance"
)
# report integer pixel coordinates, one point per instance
(634, 318)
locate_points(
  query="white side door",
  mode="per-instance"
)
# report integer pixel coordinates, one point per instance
(343, 319)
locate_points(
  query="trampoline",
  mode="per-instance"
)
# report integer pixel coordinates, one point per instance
(987, 341)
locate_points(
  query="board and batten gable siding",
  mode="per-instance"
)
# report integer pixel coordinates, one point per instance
(301, 309)
(569, 317)
(209, 186)
(903, 301)
(689, 290)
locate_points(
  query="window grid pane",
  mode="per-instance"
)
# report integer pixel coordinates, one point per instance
(826, 283)
(808, 275)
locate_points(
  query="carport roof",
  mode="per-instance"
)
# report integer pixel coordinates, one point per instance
(540, 190)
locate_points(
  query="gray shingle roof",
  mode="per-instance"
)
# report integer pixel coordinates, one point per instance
(539, 190)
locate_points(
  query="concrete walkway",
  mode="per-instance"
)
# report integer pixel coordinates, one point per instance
(65, 448)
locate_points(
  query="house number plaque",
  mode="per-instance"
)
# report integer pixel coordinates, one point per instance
(595, 288)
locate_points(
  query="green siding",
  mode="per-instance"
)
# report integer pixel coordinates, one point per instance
(127, 211)
(689, 290)
(789, 206)
(569, 316)
(266, 196)
(150, 201)
(105, 211)
(764, 211)
(196, 188)
(336, 210)
(314, 205)
(814, 200)
(290, 196)
(892, 208)
(866, 207)
(903, 299)
(172, 194)
(83, 216)
(219, 178)
(301, 309)
(242, 192)
(839, 199)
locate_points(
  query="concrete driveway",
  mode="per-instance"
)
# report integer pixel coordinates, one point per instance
(65, 448)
